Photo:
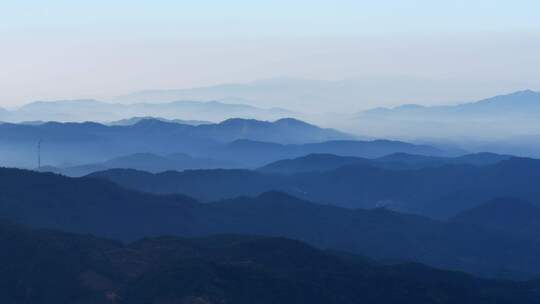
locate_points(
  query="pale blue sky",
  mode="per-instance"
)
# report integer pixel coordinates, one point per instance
(63, 49)
(306, 17)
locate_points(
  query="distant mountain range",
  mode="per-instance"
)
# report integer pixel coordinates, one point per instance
(49, 267)
(303, 94)
(510, 103)
(313, 95)
(439, 191)
(246, 143)
(250, 154)
(328, 162)
(257, 153)
(85, 205)
(504, 124)
(144, 161)
(133, 120)
(82, 143)
(499, 117)
(99, 111)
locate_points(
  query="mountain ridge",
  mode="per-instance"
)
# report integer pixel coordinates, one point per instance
(90, 142)
(86, 205)
(504, 99)
(70, 268)
(495, 118)
(509, 215)
(439, 191)
(400, 160)
(148, 162)
(78, 110)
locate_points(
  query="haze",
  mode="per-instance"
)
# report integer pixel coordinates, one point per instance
(255, 151)
(101, 49)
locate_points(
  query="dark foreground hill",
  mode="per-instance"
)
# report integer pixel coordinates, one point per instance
(46, 267)
(98, 207)
(441, 191)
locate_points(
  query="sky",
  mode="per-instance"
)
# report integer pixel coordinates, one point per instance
(77, 49)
